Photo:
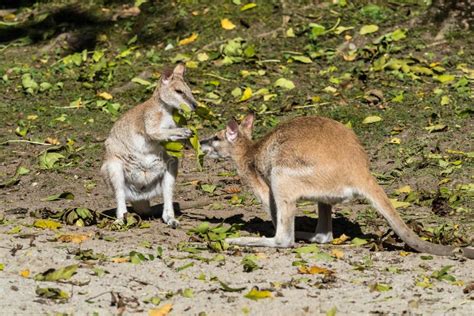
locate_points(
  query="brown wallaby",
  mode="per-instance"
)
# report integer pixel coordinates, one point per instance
(313, 158)
(136, 165)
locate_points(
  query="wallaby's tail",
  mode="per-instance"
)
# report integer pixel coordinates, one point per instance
(376, 195)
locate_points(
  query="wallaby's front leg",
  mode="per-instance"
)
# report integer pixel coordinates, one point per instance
(114, 170)
(167, 187)
(172, 134)
(285, 228)
(323, 232)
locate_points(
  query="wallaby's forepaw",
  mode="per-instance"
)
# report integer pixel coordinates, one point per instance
(181, 133)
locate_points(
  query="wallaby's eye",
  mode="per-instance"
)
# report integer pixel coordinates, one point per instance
(178, 91)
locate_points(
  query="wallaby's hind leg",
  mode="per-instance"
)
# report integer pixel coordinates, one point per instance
(142, 207)
(114, 172)
(168, 187)
(323, 232)
(285, 228)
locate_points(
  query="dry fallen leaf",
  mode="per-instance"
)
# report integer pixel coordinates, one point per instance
(227, 24)
(74, 238)
(162, 311)
(337, 253)
(340, 240)
(188, 40)
(314, 270)
(120, 259)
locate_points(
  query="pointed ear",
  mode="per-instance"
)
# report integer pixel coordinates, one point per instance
(166, 76)
(247, 122)
(232, 130)
(179, 70)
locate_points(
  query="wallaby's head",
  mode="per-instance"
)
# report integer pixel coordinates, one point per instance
(173, 89)
(232, 138)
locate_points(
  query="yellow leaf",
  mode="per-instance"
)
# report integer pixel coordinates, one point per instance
(395, 140)
(74, 238)
(46, 224)
(188, 40)
(399, 204)
(247, 94)
(340, 240)
(404, 189)
(404, 253)
(337, 253)
(314, 270)
(255, 294)
(248, 6)
(371, 119)
(227, 24)
(105, 95)
(120, 259)
(52, 141)
(162, 311)
(32, 117)
(25, 273)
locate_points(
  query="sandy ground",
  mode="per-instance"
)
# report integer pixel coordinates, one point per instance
(125, 287)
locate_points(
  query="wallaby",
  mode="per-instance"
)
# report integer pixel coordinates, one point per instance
(313, 158)
(136, 165)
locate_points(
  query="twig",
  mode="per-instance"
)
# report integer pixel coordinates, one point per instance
(194, 204)
(24, 141)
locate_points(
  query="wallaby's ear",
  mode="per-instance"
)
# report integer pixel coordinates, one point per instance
(166, 76)
(247, 122)
(179, 70)
(232, 130)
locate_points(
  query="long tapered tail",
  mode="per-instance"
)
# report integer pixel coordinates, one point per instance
(376, 195)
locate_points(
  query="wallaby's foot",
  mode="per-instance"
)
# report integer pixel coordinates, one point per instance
(260, 242)
(320, 238)
(180, 133)
(171, 221)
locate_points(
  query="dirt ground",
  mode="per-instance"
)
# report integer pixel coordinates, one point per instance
(351, 289)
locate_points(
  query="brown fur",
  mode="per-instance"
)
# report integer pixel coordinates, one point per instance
(307, 157)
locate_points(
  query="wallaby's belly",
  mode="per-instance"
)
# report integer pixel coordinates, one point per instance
(144, 174)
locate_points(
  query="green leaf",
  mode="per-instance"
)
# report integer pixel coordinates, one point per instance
(397, 35)
(302, 59)
(284, 83)
(46, 224)
(381, 287)
(29, 84)
(445, 100)
(52, 293)
(209, 188)
(307, 249)
(249, 263)
(371, 119)
(48, 160)
(141, 81)
(194, 140)
(59, 196)
(21, 171)
(332, 311)
(436, 128)
(52, 275)
(256, 294)
(188, 293)
(444, 78)
(367, 29)
(2, 266)
(358, 241)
